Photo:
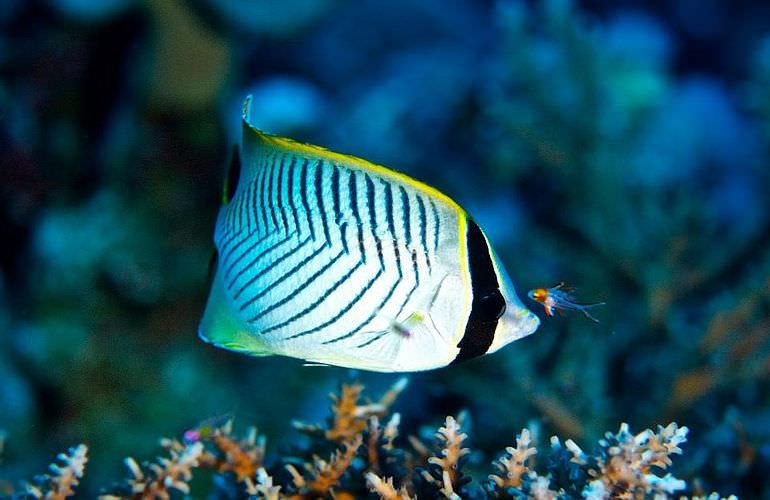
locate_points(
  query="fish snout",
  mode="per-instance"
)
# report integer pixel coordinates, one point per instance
(516, 323)
(528, 323)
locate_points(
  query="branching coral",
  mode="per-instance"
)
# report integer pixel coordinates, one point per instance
(243, 457)
(380, 441)
(515, 473)
(385, 489)
(513, 467)
(623, 466)
(64, 477)
(210, 446)
(366, 459)
(350, 417)
(372, 443)
(263, 487)
(158, 479)
(324, 475)
(447, 476)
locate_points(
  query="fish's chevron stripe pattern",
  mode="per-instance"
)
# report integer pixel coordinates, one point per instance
(313, 249)
(332, 259)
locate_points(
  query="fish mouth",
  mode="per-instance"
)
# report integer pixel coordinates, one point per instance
(524, 323)
(529, 323)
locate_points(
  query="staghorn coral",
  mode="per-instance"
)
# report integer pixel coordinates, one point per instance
(167, 474)
(385, 489)
(515, 471)
(324, 475)
(513, 467)
(349, 417)
(372, 443)
(243, 457)
(391, 431)
(372, 460)
(623, 466)
(263, 487)
(380, 448)
(210, 445)
(64, 477)
(447, 471)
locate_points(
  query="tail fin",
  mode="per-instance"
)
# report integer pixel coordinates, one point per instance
(585, 307)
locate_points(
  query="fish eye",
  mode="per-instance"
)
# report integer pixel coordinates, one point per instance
(492, 306)
(233, 175)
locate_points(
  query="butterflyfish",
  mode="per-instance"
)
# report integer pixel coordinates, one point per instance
(337, 261)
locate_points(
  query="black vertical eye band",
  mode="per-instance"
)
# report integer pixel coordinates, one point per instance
(488, 303)
(233, 175)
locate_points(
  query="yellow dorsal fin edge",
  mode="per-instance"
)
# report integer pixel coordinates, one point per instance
(349, 161)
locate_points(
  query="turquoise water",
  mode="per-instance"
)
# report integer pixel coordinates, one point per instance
(619, 147)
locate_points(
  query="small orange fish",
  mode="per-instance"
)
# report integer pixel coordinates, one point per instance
(559, 298)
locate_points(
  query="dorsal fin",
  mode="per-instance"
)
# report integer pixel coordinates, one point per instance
(253, 139)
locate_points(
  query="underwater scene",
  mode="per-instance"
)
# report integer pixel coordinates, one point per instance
(366, 249)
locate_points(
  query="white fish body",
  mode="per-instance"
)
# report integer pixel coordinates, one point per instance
(331, 259)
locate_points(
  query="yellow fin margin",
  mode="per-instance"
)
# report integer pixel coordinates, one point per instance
(351, 161)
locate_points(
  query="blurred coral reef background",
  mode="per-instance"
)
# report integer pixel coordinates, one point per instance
(620, 146)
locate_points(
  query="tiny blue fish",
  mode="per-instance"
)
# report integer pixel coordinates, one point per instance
(334, 260)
